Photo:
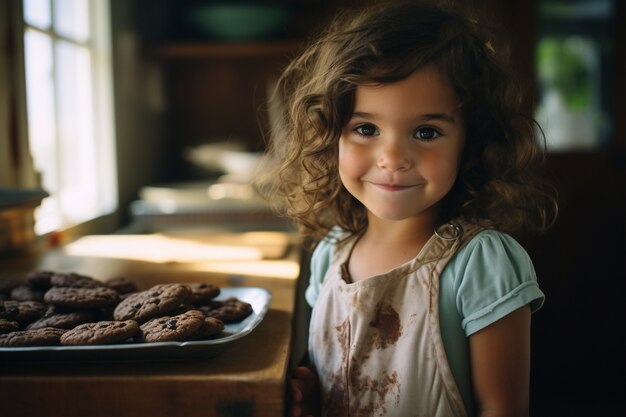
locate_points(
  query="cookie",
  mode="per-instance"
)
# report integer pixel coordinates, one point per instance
(39, 279)
(81, 297)
(122, 285)
(27, 293)
(41, 337)
(182, 308)
(23, 312)
(100, 333)
(75, 281)
(104, 314)
(8, 326)
(210, 327)
(7, 284)
(228, 311)
(63, 320)
(201, 292)
(166, 328)
(157, 301)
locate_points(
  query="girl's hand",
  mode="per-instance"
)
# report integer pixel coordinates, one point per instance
(304, 387)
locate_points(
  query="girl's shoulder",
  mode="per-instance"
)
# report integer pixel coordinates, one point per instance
(323, 251)
(489, 277)
(491, 246)
(321, 258)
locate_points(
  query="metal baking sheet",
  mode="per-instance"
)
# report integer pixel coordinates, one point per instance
(259, 298)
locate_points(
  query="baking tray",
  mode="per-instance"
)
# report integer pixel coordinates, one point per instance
(259, 298)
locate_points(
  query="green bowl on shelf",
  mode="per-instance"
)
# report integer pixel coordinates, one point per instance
(239, 21)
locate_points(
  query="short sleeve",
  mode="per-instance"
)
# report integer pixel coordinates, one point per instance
(493, 276)
(320, 261)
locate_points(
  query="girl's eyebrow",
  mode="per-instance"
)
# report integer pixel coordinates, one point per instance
(444, 117)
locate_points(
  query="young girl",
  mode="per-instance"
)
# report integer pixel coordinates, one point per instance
(403, 152)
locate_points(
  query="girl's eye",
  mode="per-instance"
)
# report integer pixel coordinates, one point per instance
(426, 133)
(366, 130)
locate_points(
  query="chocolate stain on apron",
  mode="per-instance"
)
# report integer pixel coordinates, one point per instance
(376, 343)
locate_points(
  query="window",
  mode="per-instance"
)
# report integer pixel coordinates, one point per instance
(574, 58)
(67, 58)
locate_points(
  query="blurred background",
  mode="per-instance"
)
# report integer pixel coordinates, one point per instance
(147, 115)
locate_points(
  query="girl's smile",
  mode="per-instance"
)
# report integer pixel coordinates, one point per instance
(394, 187)
(399, 153)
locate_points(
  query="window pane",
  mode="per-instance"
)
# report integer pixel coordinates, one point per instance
(76, 144)
(41, 122)
(37, 13)
(71, 19)
(68, 95)
(569, 73)
(573, 62)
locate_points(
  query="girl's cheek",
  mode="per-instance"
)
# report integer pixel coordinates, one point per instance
(352, 158)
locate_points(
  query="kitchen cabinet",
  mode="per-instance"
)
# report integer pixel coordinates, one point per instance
(215, 89)
(218, 91)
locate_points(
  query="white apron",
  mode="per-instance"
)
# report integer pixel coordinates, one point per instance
(376, 343)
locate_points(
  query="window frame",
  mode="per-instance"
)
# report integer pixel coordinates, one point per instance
(16, 164)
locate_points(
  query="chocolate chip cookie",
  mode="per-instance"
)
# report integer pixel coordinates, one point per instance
(166, 328)
(67, 320)
(23, 312)
(39, 279)
(7, 284)
(157, 301)
(74, 280)
(27, 293)
(8, 326)
(228, 311)
(100, 333)
(210, 327)
(122, 285)
(202, 292)
(41, 337)
(73, 297)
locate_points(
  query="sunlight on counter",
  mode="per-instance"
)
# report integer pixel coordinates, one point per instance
(252, 253)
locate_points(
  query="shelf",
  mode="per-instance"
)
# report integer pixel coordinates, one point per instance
(229, 50)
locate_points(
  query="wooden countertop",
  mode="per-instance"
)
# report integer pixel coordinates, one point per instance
(247, 379)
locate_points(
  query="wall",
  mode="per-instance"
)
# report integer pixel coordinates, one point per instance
(140, 111)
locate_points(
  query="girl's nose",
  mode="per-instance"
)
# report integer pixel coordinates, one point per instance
(394, 156)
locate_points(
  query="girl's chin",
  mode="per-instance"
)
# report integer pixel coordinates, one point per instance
(394, 215)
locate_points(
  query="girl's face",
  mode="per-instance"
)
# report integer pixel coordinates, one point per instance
(399, 154)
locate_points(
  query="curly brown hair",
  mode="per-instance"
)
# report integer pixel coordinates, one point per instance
(498, 182)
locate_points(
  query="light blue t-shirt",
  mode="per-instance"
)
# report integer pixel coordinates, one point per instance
(488, 278)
